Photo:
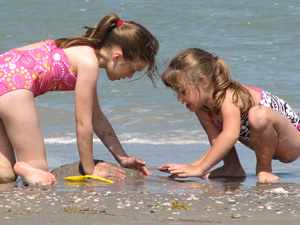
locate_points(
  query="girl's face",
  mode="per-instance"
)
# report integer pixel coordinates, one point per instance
(193, 96)
(122, 69)
(116, 66)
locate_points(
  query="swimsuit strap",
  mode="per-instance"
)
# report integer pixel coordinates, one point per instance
(256, 89)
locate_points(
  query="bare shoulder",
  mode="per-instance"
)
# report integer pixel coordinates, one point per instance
(82, 57)
(202, 115)
(255, 93)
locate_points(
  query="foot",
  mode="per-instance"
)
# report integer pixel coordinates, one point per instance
(266, 177)
(34, 176)
(225, 172)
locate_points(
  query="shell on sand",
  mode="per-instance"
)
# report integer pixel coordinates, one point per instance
(75, 169)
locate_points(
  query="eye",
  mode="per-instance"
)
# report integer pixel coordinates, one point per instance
(183, 91)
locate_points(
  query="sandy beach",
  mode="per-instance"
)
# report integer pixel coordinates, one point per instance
(129, 202)
(260, 42)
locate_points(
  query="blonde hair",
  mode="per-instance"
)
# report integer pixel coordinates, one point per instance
(195, 65)
(136, 42)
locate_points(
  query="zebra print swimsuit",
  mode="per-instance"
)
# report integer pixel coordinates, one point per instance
(270, 101)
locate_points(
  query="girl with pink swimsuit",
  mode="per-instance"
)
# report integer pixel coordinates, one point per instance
(120, 47)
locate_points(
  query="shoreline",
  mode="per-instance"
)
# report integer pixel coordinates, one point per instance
(194, 203)
(150, 200)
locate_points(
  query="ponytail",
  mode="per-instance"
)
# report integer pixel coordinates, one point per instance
(136, 42)
(94, 36)
(222, 82)
(196, 65)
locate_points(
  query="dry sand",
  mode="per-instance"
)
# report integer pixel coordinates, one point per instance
(177, 203)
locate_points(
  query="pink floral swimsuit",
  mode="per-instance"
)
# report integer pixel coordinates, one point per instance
(39, 70)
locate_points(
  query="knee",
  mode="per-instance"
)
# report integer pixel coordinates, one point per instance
(258, 118)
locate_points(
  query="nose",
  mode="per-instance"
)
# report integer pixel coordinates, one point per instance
(130, 75)
(179, 98)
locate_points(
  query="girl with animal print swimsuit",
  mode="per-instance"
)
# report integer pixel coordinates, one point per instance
(230, 112)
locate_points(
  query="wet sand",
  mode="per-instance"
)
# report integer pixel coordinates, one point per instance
(133, 202)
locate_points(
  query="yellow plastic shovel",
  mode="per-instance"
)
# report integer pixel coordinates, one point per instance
(84, 177)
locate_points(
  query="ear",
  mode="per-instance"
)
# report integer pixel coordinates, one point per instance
(205, 83)
(116, 55)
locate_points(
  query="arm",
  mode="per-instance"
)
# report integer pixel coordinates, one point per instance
(211, 131)
(89, 118)
(87, 76)
(105, 132)
(86, 65)
(194, 168)
(221, 141)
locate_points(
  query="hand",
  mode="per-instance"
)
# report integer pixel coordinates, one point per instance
(105, 170)
(135, 163)
(181, 170)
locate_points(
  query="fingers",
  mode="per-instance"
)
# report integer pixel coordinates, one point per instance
(116, 173)
(135, 163)
(165, 168)
(116, 176)
(144, 171)
(162, 169)
(108, 171)
(117, 170)
(177, 170)
(132, 161)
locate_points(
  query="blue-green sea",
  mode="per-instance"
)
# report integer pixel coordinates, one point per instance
(258, 39)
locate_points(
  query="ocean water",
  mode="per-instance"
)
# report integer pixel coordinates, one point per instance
(259, 41)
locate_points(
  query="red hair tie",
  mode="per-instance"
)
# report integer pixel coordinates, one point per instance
(119, 23)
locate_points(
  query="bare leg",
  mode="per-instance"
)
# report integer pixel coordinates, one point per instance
(272, 135)
(231, 168)
(19, 115)
(7, 157)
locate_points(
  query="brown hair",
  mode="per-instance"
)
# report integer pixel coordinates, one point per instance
(194, 65)
(136, 42)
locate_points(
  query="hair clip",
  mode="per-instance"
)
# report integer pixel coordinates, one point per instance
(214, 55)
(119, 23)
